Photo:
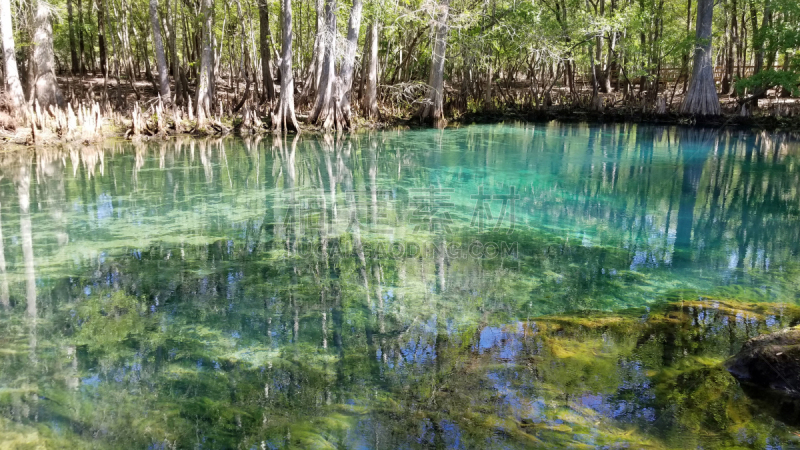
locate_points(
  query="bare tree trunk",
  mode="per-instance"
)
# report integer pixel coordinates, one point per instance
(284, 117)
(101, 37)
(759, 34)
(173, 45)
(263, 34)
(371, 97)
(161, 60)
(612, 42)
(81, 53)
(488, 103)
(701, 99)
(310, 88)
(685, 65)
(323, 111)
(73, 52)
(433, 110)
(206, 76)
(735, 45)
(47, 91)
(730, 23)
(13, 84)
(348, 63)
(610, 63)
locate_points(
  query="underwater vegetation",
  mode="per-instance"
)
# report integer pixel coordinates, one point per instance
(314, 294)
(122, 374)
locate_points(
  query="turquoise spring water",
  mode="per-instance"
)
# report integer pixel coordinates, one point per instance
(503, 286)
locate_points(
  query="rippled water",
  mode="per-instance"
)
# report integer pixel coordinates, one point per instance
(494, 286)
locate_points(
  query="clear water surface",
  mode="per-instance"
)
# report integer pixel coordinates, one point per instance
(504, 286)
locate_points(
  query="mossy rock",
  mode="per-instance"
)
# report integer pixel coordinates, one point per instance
(770, 361)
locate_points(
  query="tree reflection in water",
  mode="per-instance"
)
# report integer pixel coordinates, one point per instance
(272, 293)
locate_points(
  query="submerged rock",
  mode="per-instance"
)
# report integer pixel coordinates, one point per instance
(770, 361)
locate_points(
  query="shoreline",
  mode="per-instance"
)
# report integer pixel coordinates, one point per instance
(120, 128)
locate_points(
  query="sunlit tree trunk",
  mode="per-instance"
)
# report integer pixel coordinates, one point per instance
(205, 78)
(47, 90)
(433, 110)
(605, 73)
(610, 62)
(263, 34)
(701, 99)
(161, 60)
(324, 106)
(371, 93)
(348, 63)
(176, 63)
(311, 86)
(13, 84)
(284, 116)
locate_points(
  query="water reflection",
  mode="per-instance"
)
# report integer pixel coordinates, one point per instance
(283, 292)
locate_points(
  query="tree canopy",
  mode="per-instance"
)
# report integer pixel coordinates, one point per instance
(433, 58)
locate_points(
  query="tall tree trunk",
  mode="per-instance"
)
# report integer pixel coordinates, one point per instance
(727, 79)
(371, 96)
(73, 51)
(47, 91)
(760, 35)
(600, 71)
(433, 110)
(263, 35)
(348, 63)
(205, 78)
(702, 97)
(734, 45)
(284, 117)
(312, 86)
(772, 56)
(176, 64)
(161, 60)
(787, 57)
(13, 84)
(82, 53)
(597, 101)
(488, 102)
(758, 41)
(685, 65)
(101, 37)
(611, 62)
(323, 112)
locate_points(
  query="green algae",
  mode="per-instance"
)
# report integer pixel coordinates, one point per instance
(234, 294)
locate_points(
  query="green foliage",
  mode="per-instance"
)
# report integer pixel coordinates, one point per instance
(768, 79)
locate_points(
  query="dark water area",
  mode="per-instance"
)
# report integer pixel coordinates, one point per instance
(500, 286)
